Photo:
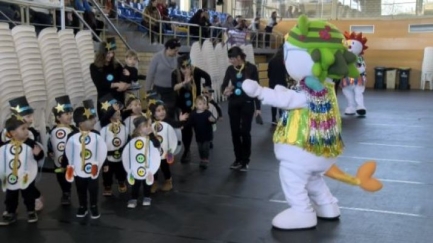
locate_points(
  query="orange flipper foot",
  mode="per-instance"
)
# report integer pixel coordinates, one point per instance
(362, 179)
(365, 175)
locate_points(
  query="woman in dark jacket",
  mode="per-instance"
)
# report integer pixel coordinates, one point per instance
(186, 81)
(106, 73)
(242, 108)
(277, 75)
(199, 18)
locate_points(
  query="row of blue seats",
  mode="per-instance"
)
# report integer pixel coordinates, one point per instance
(175, 14)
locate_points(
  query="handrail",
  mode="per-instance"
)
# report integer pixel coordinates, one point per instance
(126, 5)
(111, 24)
(7, 17)
(86, 24)
(33, 4)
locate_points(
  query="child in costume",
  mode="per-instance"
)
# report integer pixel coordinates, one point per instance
(214, 108)
(353, 88)
(164, 127)
(85, 153)
(116, 136)
(307, 140)
(201, 120)
(20, 106)
(133, 110)
(18, 169)
(58, 135)
(141, 160)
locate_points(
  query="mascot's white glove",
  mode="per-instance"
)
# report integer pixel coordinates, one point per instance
(252, 88)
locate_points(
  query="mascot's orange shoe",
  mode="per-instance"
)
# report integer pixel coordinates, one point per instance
(363, 178)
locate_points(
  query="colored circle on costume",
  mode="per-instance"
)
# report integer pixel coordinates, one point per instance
(116, 130)
(239, 84)
(160, 139)
(139, 144)
(158, 127)
(61, 146)
(188, 103)
(12, 179)
(87, 139)
(238, 91)
(239, 75)
(60, 133)
(117, 142)
(141, 171)
(87, 154)
(15, 149)
(140, 158)
(187, 94)
(161, 151)
(88, 168)
(110, 77)
(11, 164)
(117, 154)
(60, 159)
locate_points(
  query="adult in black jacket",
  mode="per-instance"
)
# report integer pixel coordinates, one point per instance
(106, 73)
(241, 107)
(277, 76)
(186, 81)
(200, 18)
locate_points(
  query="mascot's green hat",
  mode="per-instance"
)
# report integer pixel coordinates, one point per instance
(325, 43)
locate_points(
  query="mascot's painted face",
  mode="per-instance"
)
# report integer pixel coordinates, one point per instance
(317, 48)
(354, 46)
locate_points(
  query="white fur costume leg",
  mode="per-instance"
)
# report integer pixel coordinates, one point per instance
(301, 175)
(349, 93)
(359, 97)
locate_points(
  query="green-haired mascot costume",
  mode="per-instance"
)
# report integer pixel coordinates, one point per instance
(308, 140)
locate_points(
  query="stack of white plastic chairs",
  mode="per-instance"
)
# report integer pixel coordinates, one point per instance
(249, 51)
(211, 64)
(197, 56)
(219, 49)
(225, 63)
(53, 69)
(427, 68)
(10, 74)
(71, 67)
(32, 73)
(86, 51)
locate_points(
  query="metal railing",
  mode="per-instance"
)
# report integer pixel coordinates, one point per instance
(334, 9)
(182, 30)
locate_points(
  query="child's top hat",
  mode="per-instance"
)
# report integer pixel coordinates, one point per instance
(84, 113)
(63, 105)
(20, 106)
(107, 103)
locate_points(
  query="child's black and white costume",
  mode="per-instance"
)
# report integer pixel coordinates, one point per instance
(18, 171)
(141, 160)
(57, 141)
(115, 136)
(85, 153)
(20, 107)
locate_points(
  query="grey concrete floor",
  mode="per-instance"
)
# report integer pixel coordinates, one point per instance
(220, 205)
